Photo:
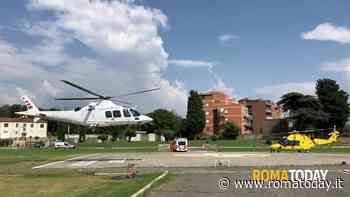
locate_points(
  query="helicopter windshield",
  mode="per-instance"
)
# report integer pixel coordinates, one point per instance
(135, 113)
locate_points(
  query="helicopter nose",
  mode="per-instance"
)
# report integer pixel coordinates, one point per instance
(146, 119)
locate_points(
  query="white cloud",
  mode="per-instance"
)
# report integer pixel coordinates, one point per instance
(191, 63)
(328, 32)
(219, 83)
(227, 38)
(274, 92)
(130, 53)
(342, 65)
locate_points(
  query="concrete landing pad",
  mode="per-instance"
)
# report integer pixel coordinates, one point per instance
(198, 159)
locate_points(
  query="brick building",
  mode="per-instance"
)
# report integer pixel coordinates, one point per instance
(220, 108)
(261, 110)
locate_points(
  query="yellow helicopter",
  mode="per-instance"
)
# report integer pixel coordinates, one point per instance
(303, 141)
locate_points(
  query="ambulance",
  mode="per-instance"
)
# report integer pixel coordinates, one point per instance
(181, 145)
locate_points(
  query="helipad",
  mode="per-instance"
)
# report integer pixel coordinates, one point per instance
(198, 159)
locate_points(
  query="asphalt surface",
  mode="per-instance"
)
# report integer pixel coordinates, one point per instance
(205, 184)
(198, 159)
(198, 173)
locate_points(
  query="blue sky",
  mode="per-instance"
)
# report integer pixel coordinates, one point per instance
(246, 48)
(268, 48)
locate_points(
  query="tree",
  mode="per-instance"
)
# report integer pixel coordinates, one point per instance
(305, 110)
(82, 135)
(229, 131)
(195, 118)
(130, 132)
(61, 134)
(164, 122)
(169, 134)
(9, 110)
(334, 101)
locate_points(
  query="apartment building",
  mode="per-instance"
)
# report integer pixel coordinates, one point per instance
(220, 109)
(19, 127)
(261, 110)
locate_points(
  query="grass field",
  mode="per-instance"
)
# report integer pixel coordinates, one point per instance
(17, 178)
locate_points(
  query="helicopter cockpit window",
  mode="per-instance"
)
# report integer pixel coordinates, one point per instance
(135, 113)
(117, 114)
(126, 113)
(108, 114)
(284, 141)
(77, 109)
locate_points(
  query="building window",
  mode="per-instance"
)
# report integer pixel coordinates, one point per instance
(31, 125)
(42, 126)
(17, 125)
(24, 125)
(6, 125)
(108, 114)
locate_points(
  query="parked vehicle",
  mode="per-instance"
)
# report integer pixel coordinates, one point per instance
(62, 144)
(38, 145)
(181, 145)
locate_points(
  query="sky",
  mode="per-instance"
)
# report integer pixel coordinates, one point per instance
(256, 49)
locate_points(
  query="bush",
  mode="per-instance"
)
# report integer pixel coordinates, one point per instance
(130, 133)
(103, 138)
(229, 131)
(214, 138)
(6, 142)
(82, 135)
(346, 130)
(115, 135)
(268, 142)
(169, 135)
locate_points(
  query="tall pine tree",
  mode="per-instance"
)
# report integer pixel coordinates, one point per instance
(334, 101)
(195, 118)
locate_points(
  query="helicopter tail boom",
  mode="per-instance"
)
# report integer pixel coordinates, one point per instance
(32, 109)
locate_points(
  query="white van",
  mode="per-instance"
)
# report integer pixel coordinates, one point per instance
(181, 145)
(62, 144)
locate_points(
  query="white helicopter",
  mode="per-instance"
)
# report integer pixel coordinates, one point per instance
(101, 113)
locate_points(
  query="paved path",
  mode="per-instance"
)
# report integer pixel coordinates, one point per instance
(198, 159)
(206, 185)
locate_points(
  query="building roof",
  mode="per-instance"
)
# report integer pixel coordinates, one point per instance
(211, 93)
(256, 100)
(21, 120)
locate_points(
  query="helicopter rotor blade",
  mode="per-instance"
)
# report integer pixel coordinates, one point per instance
(78, 99)
(137, 92)
(122, 102)
(83, 89)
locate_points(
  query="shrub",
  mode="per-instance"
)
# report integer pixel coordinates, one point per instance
(229, 131)
(214, 138)
(103, 138)
(6, 142)
(169, 135)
